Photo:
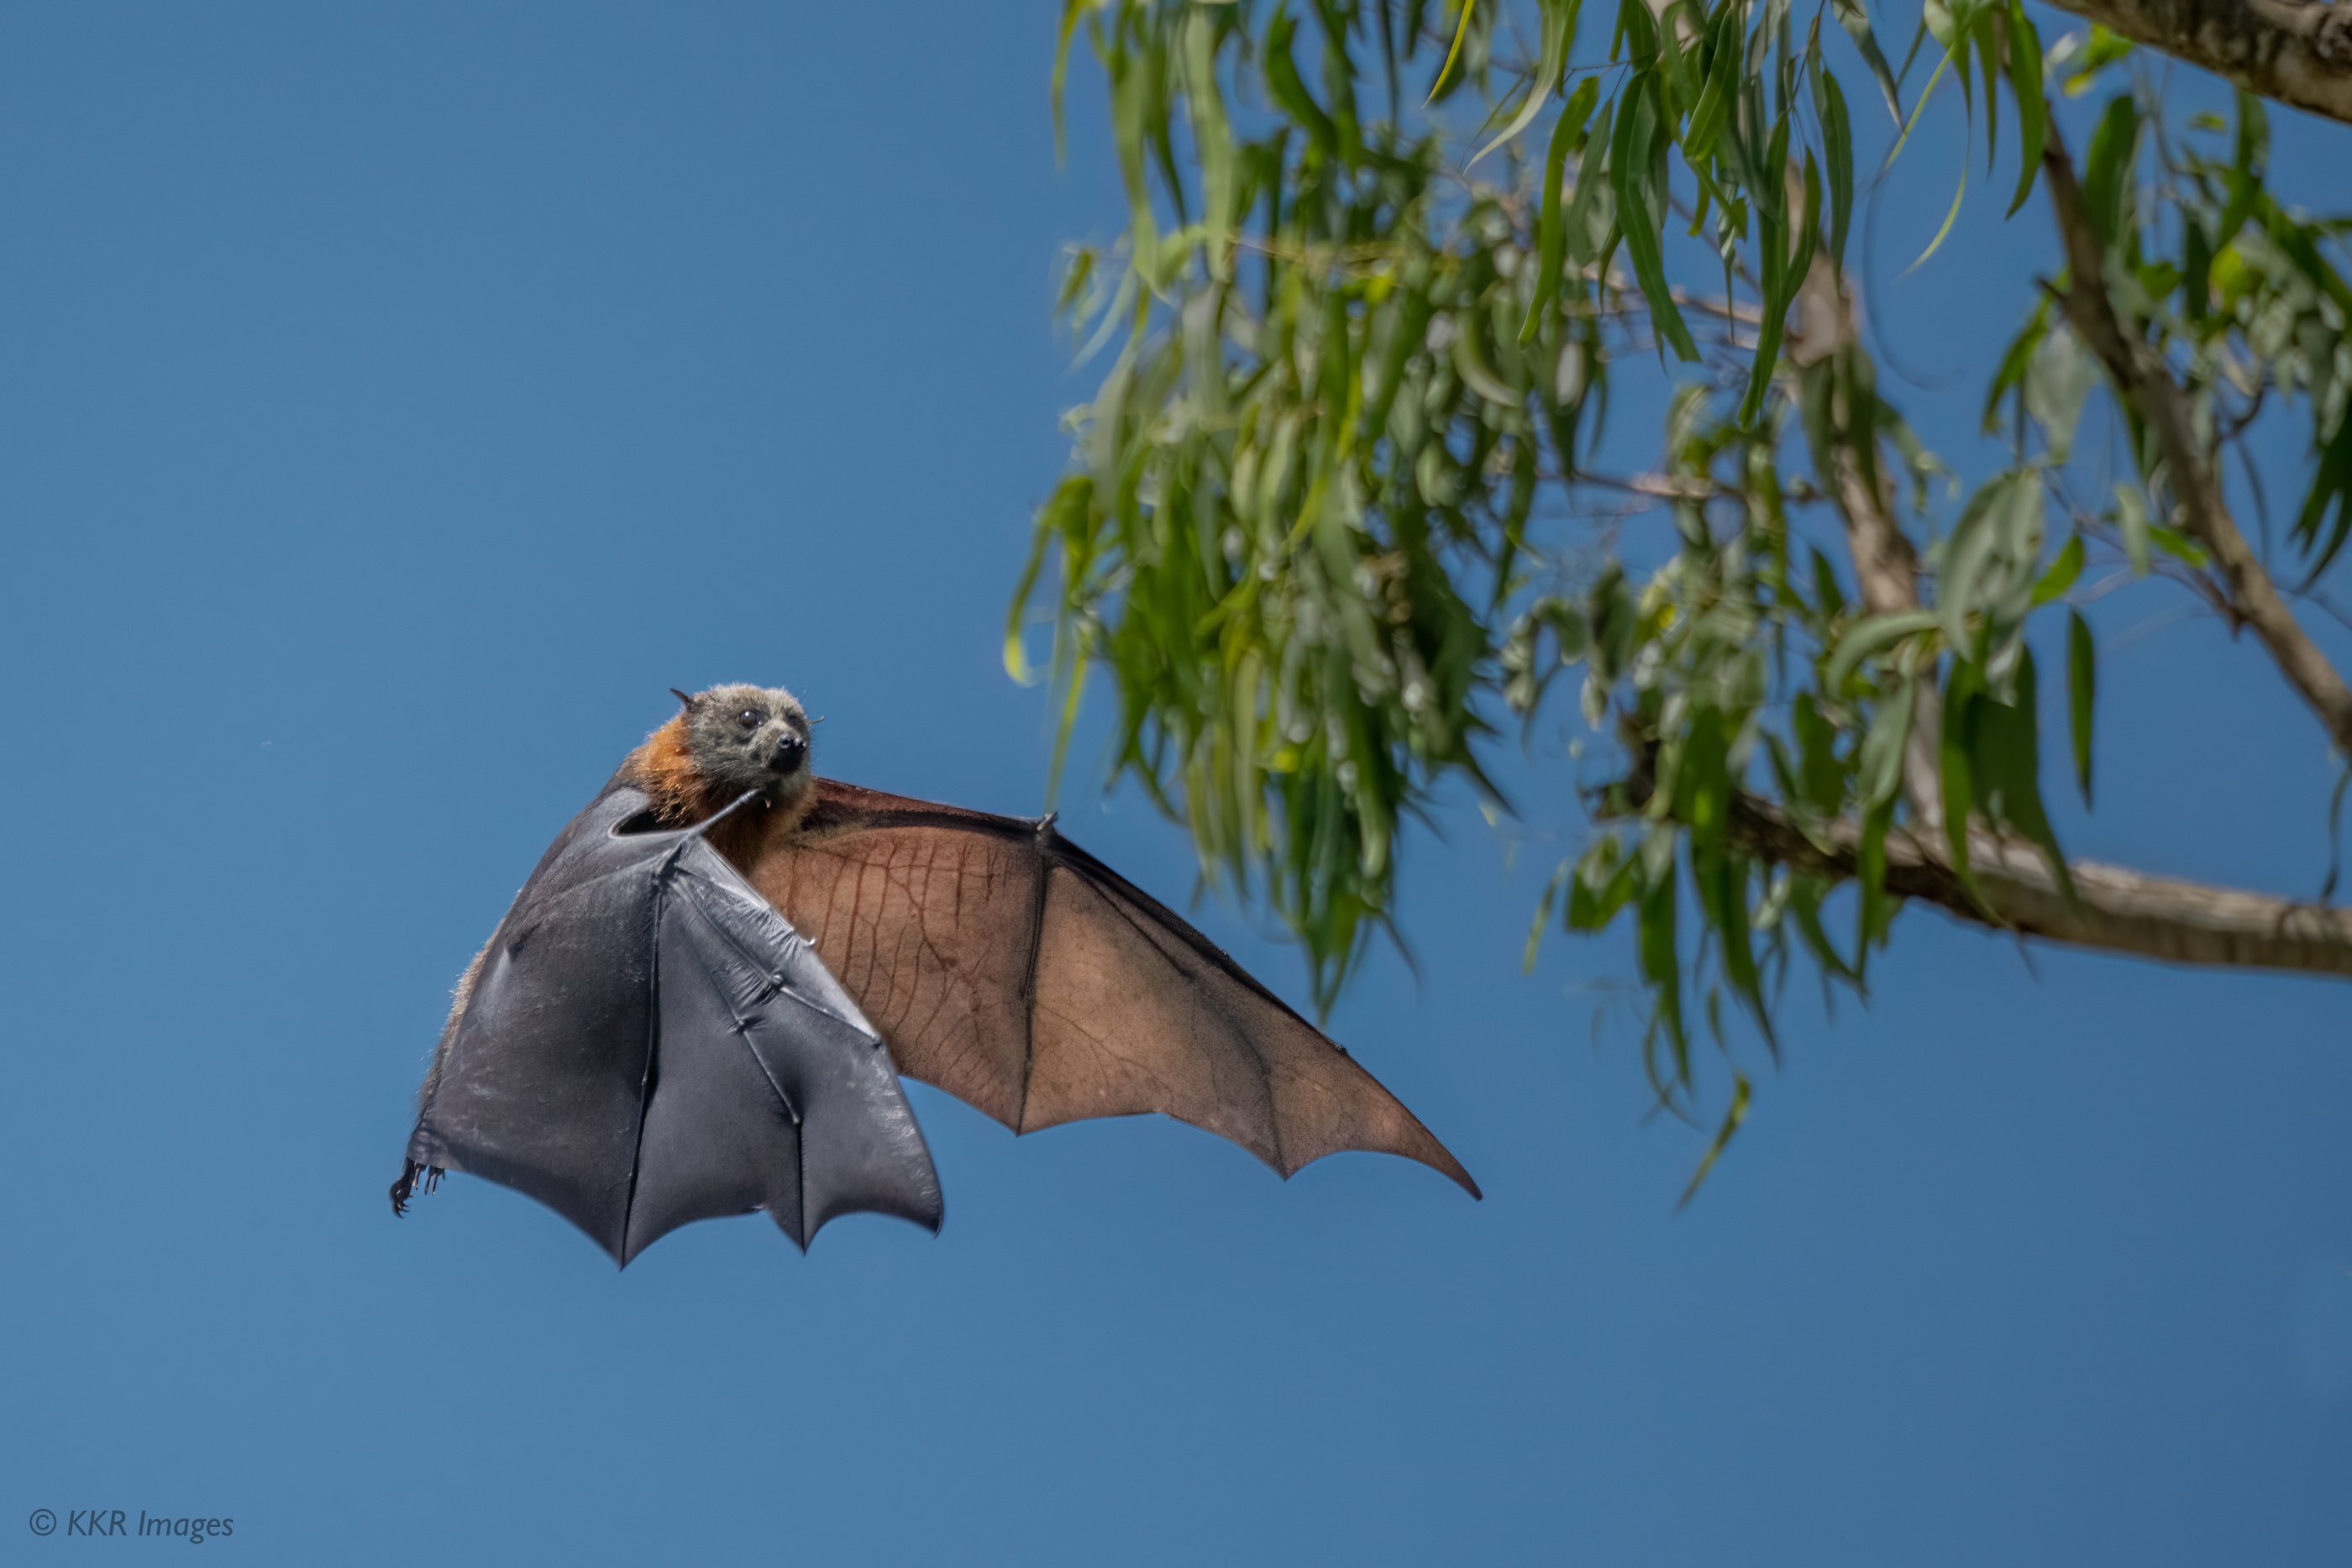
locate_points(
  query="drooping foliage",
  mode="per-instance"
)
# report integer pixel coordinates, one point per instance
(1338, 516)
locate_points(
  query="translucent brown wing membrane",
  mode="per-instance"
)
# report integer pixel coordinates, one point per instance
(1009, 968)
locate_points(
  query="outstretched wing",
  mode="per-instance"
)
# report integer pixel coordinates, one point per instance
(1008, 966)
(646, 1043)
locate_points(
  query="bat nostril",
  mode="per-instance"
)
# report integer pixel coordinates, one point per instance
(790, 753)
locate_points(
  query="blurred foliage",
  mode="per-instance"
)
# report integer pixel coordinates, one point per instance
(1335, 517)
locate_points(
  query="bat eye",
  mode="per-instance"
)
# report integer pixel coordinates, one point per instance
(750, 718)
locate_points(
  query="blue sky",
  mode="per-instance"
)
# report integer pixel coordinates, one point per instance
(394, 401)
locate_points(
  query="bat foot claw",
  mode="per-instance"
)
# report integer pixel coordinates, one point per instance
(403, 1189)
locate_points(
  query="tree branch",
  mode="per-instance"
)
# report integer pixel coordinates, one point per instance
(2298, 52)
(1885, 567)
(2113, 910)
(2143, 380)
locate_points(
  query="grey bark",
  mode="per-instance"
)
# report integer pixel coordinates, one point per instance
(2292, 51)
(2143, 381)
(2114, 911)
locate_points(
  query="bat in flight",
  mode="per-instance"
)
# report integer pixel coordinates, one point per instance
(701, 1002)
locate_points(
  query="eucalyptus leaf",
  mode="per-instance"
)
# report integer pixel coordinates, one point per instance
(1872, 636)
(2081, 690)
(2059, 380)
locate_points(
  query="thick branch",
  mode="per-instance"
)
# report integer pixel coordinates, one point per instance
(2297, 52)
(2143, 380)
(2114, 911)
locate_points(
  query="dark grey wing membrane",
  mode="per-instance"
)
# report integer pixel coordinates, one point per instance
(648, 1042)
(771, 1091)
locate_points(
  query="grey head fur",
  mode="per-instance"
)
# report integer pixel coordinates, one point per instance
(750, 738)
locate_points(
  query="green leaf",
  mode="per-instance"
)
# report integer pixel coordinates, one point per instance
(2081, 688)
(1063, 516)
(1954, 752)
(2103, 50)
(1805, 912)
(1720, 91)
(1629, 164)
(1918, 108)
(1723, 1135)
(1558, 32)
(2196, 270)
(1783, 275)
(2015, 364)
(2108, 169)
(1213, 139)
(2021, 535)
(1071, 11)
(1131, 105)
(1871, 636)
(2131, 522)
(2331, 488)
(1702, 781)
(1879, 766)
(1544, 907)
(1591, 181)
(1605, 882)
(1664, 40)
(2179, 546)
(1469, 359)
(1987, 567)
(1960, 194)
(1875, 910)
(1837, 145)
(1412, 320)
(2007, 768)
(1828, 599)
(2247, 169)
(2024, 48)
(1552, 232)
(1660, 957)
(1968, 552)
(1983, 40)
(1819, 779)
(1461, 31)
(1723, 889)
(2056, 383)
(1856, 23)
(2062, 575)
(1340, 82)
(1289, 92)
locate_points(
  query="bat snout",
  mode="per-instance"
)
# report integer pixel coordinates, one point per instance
(790, 753)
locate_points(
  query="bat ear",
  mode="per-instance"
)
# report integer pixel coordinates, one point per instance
(685, 701)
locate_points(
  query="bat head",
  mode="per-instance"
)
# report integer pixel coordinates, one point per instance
(748, 738)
